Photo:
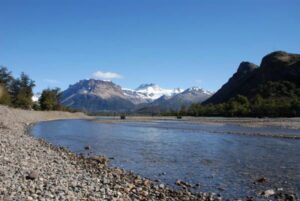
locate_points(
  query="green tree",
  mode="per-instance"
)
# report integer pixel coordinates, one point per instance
(238, 106)
(5, 83)
(22, 92)
(49, 99)
(295, 107)
(6, 78)
(182, 111)
(4, 96)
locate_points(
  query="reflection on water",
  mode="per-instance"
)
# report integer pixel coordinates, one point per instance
(196, 153)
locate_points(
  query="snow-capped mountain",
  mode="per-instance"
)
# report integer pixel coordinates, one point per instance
(152, 92)
(175, 102)
(99, 96)
(198, 89)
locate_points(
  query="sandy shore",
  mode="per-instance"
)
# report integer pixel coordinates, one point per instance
(31, 169)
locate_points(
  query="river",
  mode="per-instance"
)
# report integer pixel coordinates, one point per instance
(204, 155)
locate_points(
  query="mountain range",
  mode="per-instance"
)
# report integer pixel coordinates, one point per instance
(277, 76)
(105, 96)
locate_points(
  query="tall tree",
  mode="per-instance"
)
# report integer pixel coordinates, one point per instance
(4, 95)
(49, 99)
(6, 80)
(22, 92)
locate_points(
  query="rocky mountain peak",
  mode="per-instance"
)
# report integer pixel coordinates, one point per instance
(98, 95)
(246, 67)
(197, 90)
(279, 58)
(93, 86)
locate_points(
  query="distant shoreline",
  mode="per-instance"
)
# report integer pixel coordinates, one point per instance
(284, 123)
(280, 122)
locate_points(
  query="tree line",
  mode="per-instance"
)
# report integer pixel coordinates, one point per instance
(18, 93)
(272, 99)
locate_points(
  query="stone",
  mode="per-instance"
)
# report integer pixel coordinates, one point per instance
(261, 180)
(268, 193)
(32, 175)
(183, 184)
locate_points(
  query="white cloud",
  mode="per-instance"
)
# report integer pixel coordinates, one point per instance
(51, 81)
(100, 75)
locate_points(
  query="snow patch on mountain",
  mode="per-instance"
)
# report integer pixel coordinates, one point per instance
(198, 89)
(153, 91)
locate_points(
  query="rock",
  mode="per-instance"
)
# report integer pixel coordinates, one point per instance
(161, 174)
(261, 180)
(32, 175)
(99, 159)
(145, 193)
(285, 196)
(268, 193)
(221, 189)
(87, 147)
(183, 184)
(250, 199)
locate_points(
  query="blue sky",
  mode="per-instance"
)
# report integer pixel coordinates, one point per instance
(171, 43)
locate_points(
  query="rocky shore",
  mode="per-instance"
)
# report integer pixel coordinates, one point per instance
(32, 169)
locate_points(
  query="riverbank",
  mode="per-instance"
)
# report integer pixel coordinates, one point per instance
(31, 169)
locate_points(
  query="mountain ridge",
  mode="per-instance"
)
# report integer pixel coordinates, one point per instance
(105, 96)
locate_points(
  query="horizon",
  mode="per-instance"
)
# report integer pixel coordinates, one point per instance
(178, 45)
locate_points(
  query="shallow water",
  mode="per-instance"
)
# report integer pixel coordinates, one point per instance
(196, 153)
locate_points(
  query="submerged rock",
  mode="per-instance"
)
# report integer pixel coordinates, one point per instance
(269, 193)
(183, 184)
(261, 180)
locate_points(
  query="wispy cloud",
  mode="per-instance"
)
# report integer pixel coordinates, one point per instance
(100, 75)
(52, 81)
